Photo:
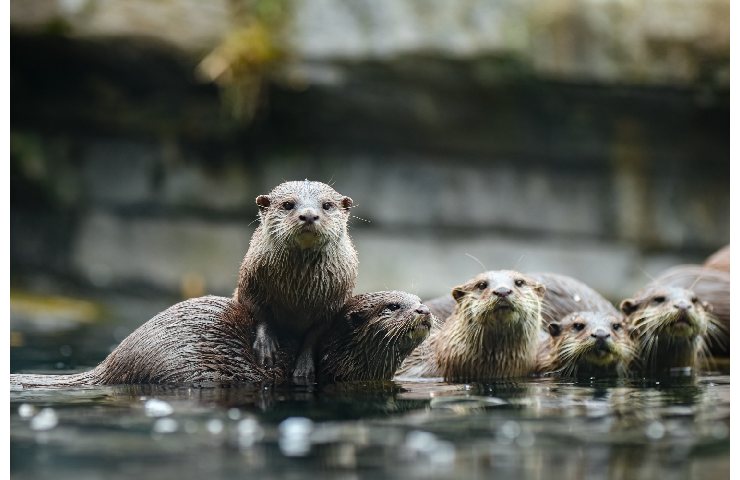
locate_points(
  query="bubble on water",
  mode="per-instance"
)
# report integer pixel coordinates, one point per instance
(157, 408)
(215, 426)
(46, 419)
(234, 413)
(249, 432)
(59, 365)
(655, 430)
(510, 430)
(436, 451)
(294, 436)
(26, 410)
(165, 425)
(65, 350)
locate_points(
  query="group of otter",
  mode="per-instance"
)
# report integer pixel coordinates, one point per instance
(293, 316)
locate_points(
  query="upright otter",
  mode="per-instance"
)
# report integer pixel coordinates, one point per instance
(672, 326)
(587, 344)
(492, 332)
(300, 268)
(719, 260)
(208, 340)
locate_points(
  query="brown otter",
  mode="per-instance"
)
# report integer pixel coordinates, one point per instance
(207, 340)
(372, 335)
(300, 268)
(719, 260)
(672, 326)
(492, 332)
(587, 344)
(711, 286)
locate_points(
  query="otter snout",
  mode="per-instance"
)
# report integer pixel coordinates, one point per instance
(600, 334)
(308, 216)
(422, 310)
(502, 292)
(682, 305)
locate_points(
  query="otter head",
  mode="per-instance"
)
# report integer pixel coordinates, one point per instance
(500, 297)
(672, 326)
(669, 312)
(304, 214)
(591, 343)
(372, 335)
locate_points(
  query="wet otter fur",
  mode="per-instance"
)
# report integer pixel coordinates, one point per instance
(492, 333)
(565, 295)
(587, 344)
(300, 268)
(672, 326)
(208, 341)
(372, 335)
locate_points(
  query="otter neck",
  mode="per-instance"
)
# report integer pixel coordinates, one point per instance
(663, 353)
(467, 349)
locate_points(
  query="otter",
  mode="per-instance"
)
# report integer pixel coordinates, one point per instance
(587, 344)
(719, 260)
(712, 287)
(373, 334)
(207, 341)
(672, 326)
(492, 332)
(299, 270)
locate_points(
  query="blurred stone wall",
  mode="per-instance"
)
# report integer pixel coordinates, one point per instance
(584, 137)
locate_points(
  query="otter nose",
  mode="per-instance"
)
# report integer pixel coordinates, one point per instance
(682, 305)
(308, 216)
(502, 292)
(600, 334)
(422, 310)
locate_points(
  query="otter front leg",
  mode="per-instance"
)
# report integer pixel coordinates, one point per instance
(265, 345)
(305, 365)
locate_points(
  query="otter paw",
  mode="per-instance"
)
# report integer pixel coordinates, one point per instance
(304, 370)
(265, 349)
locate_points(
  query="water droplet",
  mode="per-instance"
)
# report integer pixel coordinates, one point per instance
(165, 425)
(46, 419)
(655, 431)
(510, 430)
(234, 414)
(720, 431)
(294, 436)
(249, 432)
(215, 426)
(26, 410)
(419, 441)
(157, 408)
(65, 350)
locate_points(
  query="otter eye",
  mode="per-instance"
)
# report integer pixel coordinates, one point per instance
(616, 327)
(518, 282)
(578, 326)
(658, 299)
(482, 285)
(393, 307)
(694, 299)
(327, 205)
(288, 205)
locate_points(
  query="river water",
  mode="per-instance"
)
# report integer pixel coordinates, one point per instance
(529, 428)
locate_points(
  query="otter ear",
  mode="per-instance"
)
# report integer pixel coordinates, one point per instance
(263, 201)
(539, 289)
(554, 329)
(346, 203)
(708, 307)
(458, 293)
(628, 306)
